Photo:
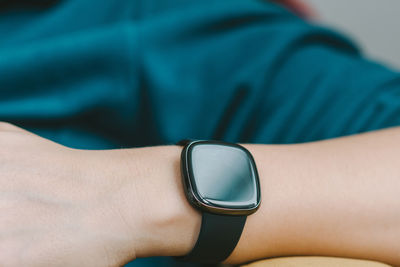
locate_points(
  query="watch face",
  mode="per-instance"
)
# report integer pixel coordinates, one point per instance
(221, 178)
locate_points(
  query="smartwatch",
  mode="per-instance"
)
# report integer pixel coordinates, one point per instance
(221, 181)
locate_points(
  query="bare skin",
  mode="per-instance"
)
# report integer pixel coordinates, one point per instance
(67, 207)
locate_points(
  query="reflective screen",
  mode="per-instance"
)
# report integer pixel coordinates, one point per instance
(223, 174)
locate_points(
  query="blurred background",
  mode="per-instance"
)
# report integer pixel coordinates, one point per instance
(373, 24)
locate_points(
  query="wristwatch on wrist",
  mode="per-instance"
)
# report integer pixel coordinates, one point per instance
(221, 181)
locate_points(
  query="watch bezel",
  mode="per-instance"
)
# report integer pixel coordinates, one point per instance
(197, 200)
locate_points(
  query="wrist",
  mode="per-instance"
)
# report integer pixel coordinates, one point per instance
(153, 205)
(170, 224)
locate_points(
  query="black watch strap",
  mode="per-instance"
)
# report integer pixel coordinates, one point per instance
(218, 237)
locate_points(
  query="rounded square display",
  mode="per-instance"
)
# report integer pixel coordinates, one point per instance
(221, 178)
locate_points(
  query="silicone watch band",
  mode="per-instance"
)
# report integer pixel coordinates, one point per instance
(219, 235)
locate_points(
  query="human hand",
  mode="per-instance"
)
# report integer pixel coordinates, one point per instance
(56, 210)
(67, 207)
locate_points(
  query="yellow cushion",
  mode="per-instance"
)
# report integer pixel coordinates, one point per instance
(315, 262)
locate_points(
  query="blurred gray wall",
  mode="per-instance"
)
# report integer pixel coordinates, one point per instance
(374, 24)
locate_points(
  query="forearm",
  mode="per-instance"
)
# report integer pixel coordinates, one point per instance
(67, 207)
(337, 197)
